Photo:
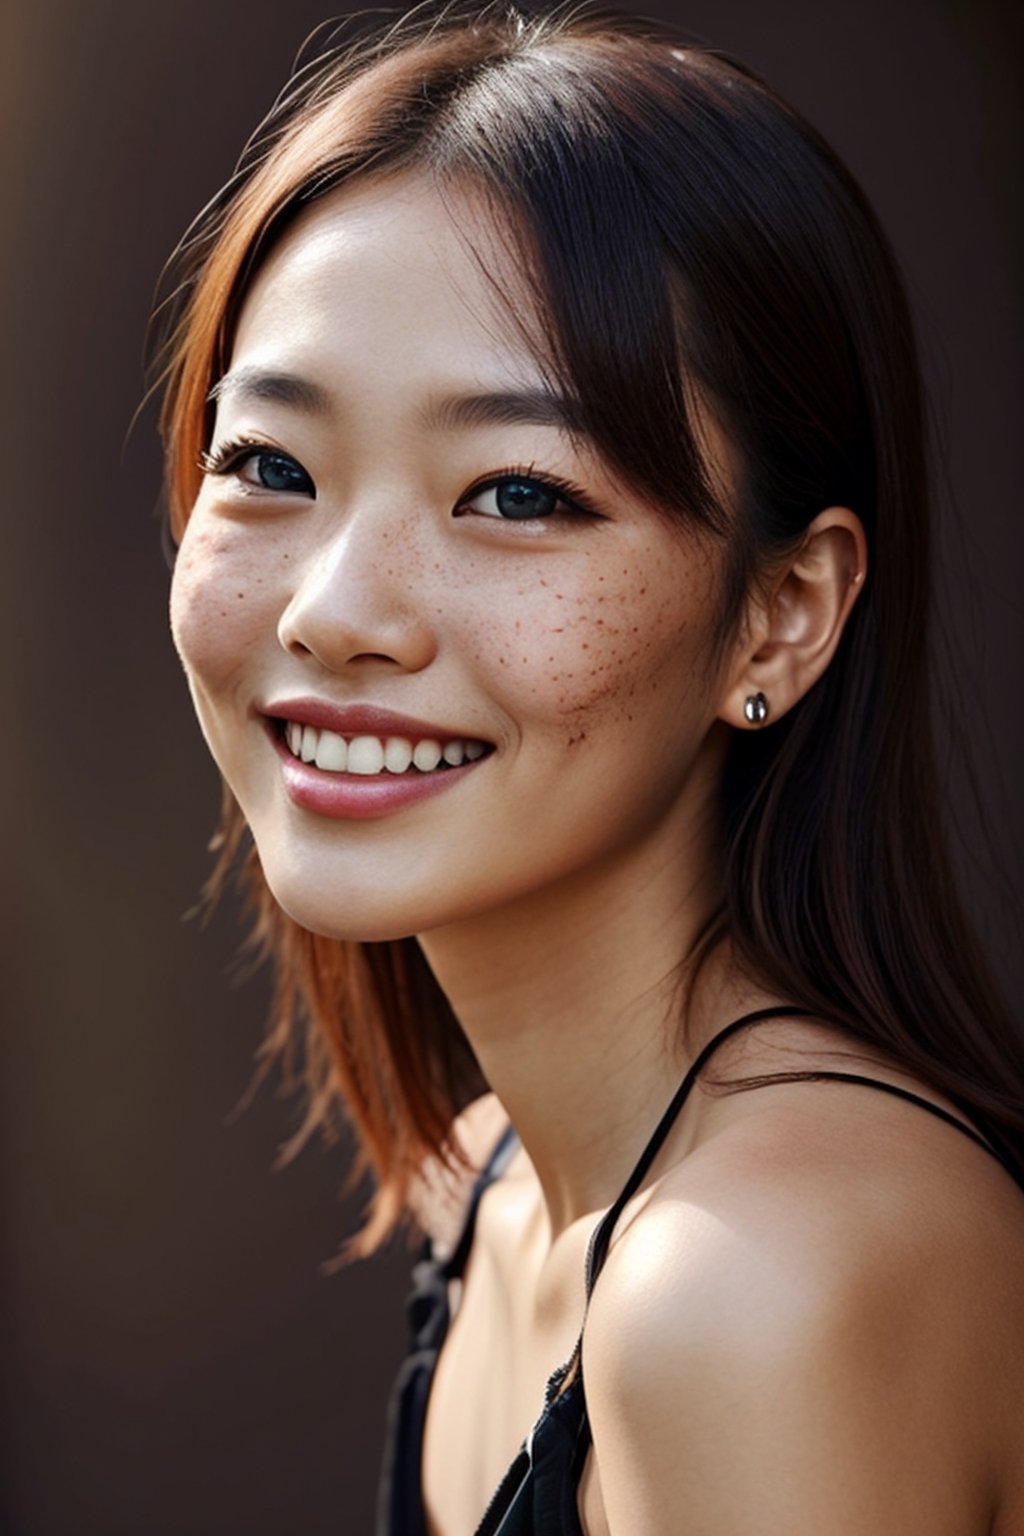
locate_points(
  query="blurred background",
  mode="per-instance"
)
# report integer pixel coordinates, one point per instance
(173, 1357)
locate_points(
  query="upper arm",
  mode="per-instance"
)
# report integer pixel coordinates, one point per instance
(759, 1368)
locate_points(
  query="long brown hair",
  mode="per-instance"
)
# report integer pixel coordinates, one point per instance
(688, 238)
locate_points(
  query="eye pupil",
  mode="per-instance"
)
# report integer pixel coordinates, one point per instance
(524, 498)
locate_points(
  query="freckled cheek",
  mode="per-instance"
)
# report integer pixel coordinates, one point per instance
(221, 607)
(568, 652)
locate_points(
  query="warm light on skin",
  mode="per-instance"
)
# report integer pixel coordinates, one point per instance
(578, 646)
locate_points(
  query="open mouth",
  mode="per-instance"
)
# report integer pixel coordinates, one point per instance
(370, 756)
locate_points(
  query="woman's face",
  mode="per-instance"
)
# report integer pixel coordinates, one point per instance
(398, 554)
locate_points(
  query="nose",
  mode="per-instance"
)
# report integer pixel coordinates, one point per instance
(358, 599)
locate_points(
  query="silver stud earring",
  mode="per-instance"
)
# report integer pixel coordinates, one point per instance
(755, 709)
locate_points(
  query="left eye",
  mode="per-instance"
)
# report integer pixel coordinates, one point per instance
(516, 498)
(274, 472)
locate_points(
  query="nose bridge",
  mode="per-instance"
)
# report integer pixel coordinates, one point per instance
(357, 592)
(368, 549)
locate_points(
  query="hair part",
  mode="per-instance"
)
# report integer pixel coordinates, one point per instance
(693, 246)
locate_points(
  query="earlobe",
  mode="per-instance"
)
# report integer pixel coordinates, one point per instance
(792, 633)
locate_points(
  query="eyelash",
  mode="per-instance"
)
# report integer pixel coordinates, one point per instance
(228, 456)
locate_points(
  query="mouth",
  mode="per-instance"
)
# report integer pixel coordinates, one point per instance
(373, 756)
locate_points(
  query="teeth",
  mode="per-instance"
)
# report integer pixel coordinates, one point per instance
(397, 754)
(369, 756)
(365, 755)
(332, 752)
(426, 755)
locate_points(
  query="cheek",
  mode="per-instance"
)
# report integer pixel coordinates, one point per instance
(607, 644)
(219, 603)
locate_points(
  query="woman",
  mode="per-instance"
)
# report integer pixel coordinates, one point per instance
(545, 450)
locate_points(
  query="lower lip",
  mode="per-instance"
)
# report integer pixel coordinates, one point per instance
(358, 797)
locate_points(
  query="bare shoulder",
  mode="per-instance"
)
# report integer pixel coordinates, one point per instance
(439, 1199)
(814, 1320)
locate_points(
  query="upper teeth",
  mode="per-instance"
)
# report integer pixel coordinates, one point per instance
(376, 754)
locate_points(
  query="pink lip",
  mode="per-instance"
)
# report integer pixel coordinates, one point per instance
(361, 720)
(353, 796)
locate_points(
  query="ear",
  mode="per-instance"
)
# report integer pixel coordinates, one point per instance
(794, 624)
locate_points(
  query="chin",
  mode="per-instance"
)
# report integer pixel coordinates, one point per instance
(360, 924)
(356, 913)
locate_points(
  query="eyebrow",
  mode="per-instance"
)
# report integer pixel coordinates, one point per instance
(450, 413)
(252, 383)
(515, 407)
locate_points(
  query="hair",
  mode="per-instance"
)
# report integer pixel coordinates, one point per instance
(690, 241)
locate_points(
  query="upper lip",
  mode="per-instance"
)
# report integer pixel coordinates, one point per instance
(362, 720)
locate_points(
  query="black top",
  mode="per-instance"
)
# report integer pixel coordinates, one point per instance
(537, 1496)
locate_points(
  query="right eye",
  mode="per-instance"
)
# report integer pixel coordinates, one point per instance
(259, 466)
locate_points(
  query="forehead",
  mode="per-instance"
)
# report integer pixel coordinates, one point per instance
(390, 294)
(393, 273)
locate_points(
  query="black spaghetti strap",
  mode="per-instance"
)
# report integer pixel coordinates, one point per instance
(598, 1249)
(494, 1167)
(902, 1093)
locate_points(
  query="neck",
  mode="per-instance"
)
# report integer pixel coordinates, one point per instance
(574, 1004)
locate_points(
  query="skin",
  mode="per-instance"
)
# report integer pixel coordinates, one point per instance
(811, 1319)
(557, 887)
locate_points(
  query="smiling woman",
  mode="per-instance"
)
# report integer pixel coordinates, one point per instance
(545, 451)
(560, 634)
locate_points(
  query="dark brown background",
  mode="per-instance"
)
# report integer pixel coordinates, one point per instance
(174, 1363)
